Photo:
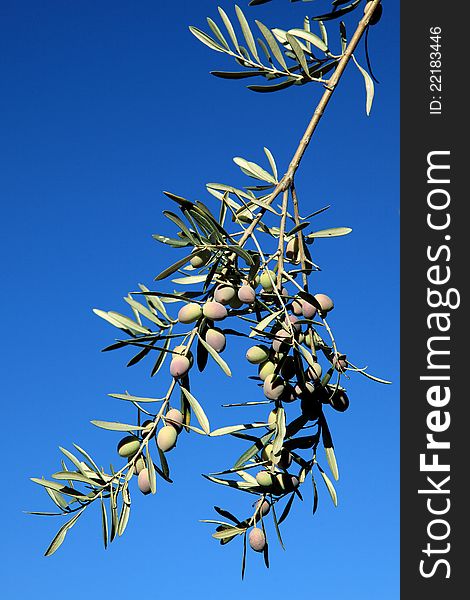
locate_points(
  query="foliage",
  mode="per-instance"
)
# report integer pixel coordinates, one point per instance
(242, 270)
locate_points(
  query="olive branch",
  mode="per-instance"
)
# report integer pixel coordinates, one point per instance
(250, 262)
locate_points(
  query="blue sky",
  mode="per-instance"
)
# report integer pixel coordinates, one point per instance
(104, 105)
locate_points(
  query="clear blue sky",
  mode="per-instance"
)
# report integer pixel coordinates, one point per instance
(104, 105)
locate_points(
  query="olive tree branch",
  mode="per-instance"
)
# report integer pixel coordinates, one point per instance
(330, 87)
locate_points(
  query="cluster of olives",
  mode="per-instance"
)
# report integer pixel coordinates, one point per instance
(225, 296)
(276, 368)
(167, 436)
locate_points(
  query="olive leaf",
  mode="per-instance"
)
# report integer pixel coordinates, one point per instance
(254, 170)
(332, 232)
(329, 485)
(114, 426)
(206, 39)
(261, 326)
(369, 83)
(197, 410)
(104, 522)
(331, 458)
(247, 32)
(218, 359)
(60, 535)
(273, 45)
(336, 14)
(129, 398)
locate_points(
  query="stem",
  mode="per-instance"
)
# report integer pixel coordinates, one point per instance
(303, 259)
(330, 88)
(282, 231)
(300, 237)
(288, 178)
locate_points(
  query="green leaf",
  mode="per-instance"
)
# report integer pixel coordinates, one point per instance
(315, 495)
(254, 449)
(104, 523)
(144, 311)
(309, 37)
(233, 428)
(372, 377)
(87, 457)
(329, 485)
(114, 426)
(57, 498)
(173, 242)
(228, 188)
(140, 355)
(58, 487)
(236, 74)
(324, 33)
(225, 513)
(239, 485)
(172, 268)
(151, 470)
(297, 228)
(42, 513)
(281, 36)
(242, 253)
(332, 232)
(256, 202)
(307, 354)
(299, 53)
(287, 508)
(218, 359)
(161, 358)
(190, 280)
(197, 410)
(229, 532)
(272, 162)
(114, 514)
(104, 315)
(369, 86)
(60, 535)
(123, 518)
(244, 556)
(278, 441)
(343, 36)
(127, 323)
(155, 302)
(263, 89)
(331, 458)
(253, 170)
(264, 323)
(323, 69)
(130, 398)
(229, 27)
(164, 465)
(247, 32)
(73, 476)
(206, 39)
(193, 237)
(337, 13)
(73, 459)
(273, 45)
(218, 34)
